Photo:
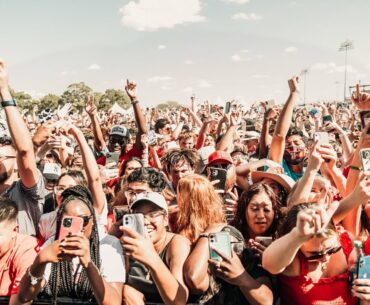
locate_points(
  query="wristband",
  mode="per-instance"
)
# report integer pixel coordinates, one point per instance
(203, 235)
(134, 102)
(355, 168)
(9, 103)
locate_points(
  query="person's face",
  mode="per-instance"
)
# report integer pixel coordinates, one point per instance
(7, 162)
(294, 150)
(135, 188)
(165, 130)
(77, 208)
(319, 249)
(180, 170)
(187, 143)
(238, 158)
(7, 231)
(116, 143)
(259, 214)
(131, 166)
(155, 220)
(77, 162)
(64, 183)
(209, 141)
(252, 145)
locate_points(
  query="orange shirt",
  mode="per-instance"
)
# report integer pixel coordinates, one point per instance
(14, 264)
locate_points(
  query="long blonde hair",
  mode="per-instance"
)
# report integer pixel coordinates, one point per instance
(199, 206)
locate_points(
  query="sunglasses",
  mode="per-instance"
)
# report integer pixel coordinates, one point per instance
(119, 140)
(223, 166)
(319, 255)
(86, 220)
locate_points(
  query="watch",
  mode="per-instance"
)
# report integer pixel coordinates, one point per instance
(9, 103)
(33, 279)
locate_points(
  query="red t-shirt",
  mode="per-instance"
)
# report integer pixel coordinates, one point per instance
(14, 264)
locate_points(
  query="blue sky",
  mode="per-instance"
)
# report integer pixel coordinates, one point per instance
(217, 49)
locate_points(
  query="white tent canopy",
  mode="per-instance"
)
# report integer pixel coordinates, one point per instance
(118, 109)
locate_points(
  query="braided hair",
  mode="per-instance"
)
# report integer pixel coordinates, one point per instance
(62, 280)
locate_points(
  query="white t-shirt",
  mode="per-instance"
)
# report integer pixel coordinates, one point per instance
(112, 266)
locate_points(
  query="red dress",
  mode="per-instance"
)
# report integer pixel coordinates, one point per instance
(302, 290)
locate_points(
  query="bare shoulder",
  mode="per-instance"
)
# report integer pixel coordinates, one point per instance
(178, 244)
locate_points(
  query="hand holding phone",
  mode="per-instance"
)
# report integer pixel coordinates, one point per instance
(222, 243)
(71, 225)
(218, 174)
(322, 138)
(134, 222)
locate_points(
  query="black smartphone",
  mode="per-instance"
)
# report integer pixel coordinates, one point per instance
(327, 118)
(219, 174)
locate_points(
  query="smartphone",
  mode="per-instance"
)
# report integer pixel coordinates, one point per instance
(112, 158)
(70, 225)
(134, 222)
(221, 242)
(365, 157)
(220, 174)
(327, 118)
(227, 107)
(363, 271)
(322, 138)
(119, 211)
(264, 240)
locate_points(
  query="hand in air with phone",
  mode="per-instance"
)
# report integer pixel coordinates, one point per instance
(230, 269)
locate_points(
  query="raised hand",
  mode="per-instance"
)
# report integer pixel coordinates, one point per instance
(131, 89)
(91, 108)
(294, 84)
(310, 222)
(361, 99)
(3, 75)
(63, 111)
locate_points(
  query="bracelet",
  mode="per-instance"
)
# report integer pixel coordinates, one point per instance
(33, 279)
(134, 102)
(9, 103)
(355, 168)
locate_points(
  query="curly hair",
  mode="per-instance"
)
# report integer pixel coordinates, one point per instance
(176, 155)
(61, 282)
(155, 179)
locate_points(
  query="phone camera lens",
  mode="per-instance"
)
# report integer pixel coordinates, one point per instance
(67, 222)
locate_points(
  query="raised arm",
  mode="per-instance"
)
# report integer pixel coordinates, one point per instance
(93, 114)
(264, 142)
(226, 142)
(19, 132)
(283, 124)
(139, 116)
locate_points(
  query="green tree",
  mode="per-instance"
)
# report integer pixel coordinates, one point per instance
(112, 96)
(50, 101)
(24, 100)
(76, 94)
(169, 105)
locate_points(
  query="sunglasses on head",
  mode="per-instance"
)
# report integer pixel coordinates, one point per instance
(319, 255)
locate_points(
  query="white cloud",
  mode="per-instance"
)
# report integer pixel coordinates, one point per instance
(332, 67)
(260, 56)
(64, 73)
(188, 62)
(94, 67)
(149, 15)
(165, 88)
(245, 51)
(236, 57)
(247, 17)
(188, 89)
(157, 78)
(237, 1)
(203, 83)
(291, 49)
(162, 47)
(293, 3)
(260, 76)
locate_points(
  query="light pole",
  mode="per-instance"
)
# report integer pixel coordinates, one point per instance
(304, 73)
(345, 46)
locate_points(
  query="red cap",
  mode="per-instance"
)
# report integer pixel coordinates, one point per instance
(220, 156)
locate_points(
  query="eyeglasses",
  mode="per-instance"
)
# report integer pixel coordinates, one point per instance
(319, 255)
(134, 193)
(5, 140)
(151, 217)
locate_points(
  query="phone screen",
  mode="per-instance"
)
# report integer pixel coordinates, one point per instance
(365, 157)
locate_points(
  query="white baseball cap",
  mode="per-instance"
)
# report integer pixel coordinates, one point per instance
(153, 197)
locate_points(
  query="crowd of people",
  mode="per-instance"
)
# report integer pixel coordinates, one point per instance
(208, 204)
